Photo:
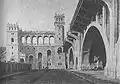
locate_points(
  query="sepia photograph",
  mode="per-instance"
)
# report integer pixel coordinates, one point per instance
(59, 41)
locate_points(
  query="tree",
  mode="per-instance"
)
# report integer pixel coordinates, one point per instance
(2, 53)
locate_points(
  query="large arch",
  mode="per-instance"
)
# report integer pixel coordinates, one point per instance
(40, 60)
(94, 44)
(49, 58)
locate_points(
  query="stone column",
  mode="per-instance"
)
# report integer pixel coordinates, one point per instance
(31, 38)
(43, 39)
(49, 40)
(97, 17)
(25, 39)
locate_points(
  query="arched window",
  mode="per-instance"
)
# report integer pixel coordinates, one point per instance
(40, 40)
(59, 50)
(49, 53)
(12, 39)
(28, 40)
(46, 40)
(34, 40)
(52, 40)
(23, 39)
(40, 56)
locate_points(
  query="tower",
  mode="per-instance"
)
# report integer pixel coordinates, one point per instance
(12, 42)
(59, 40)
(59, 28)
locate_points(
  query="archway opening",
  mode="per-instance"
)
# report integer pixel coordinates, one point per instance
(31, 59)
(52, 40)
(71, 59)
(40, 60)
(28, 40)
(94, 54)
(48, 58)
(40, 40)
(46, 40)
(34, 40)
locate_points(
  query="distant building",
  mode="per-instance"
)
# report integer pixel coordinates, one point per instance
(40, 48)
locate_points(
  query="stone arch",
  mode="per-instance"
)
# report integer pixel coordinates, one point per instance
(71, 58)
(31, 59)
(103, 17)
(94, 27)
(49, 53)
(22, 39)
(28, 39)
(40, 56)
(40, 40)
(34, 40)
(40, 60)
(52, 39)
(46, 40)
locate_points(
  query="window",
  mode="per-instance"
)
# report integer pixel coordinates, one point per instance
(12, 33)
(49, 63)
(12, 47)
(59, 50)
(12, 53)
(12, 39)
(59, 57)
(51, 40)
(59, 63)
(59, 39)
(23, 39)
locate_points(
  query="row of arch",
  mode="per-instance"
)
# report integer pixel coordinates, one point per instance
(37, 40)
(31, 57)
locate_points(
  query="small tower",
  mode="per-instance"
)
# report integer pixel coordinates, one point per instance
(12, 42)
(59, 28)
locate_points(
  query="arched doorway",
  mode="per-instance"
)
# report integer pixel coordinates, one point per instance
(31, 59)
(71, 59)
(48, 58)
(94, 53)
(40, 60)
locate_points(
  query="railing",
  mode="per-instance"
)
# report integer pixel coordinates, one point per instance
(11, 67)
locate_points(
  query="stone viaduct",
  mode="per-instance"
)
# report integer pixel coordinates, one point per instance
(94, 31)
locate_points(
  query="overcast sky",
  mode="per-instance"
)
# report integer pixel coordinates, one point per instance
(37, 14)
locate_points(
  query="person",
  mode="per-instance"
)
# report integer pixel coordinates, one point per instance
(96, 62)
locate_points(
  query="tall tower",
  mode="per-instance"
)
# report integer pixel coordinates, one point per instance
(12, 42)
(59, 39)
(59, 28)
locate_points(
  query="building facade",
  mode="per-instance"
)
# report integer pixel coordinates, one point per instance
(94, 31)
(42, 49)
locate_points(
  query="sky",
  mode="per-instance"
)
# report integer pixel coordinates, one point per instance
(37, 15)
